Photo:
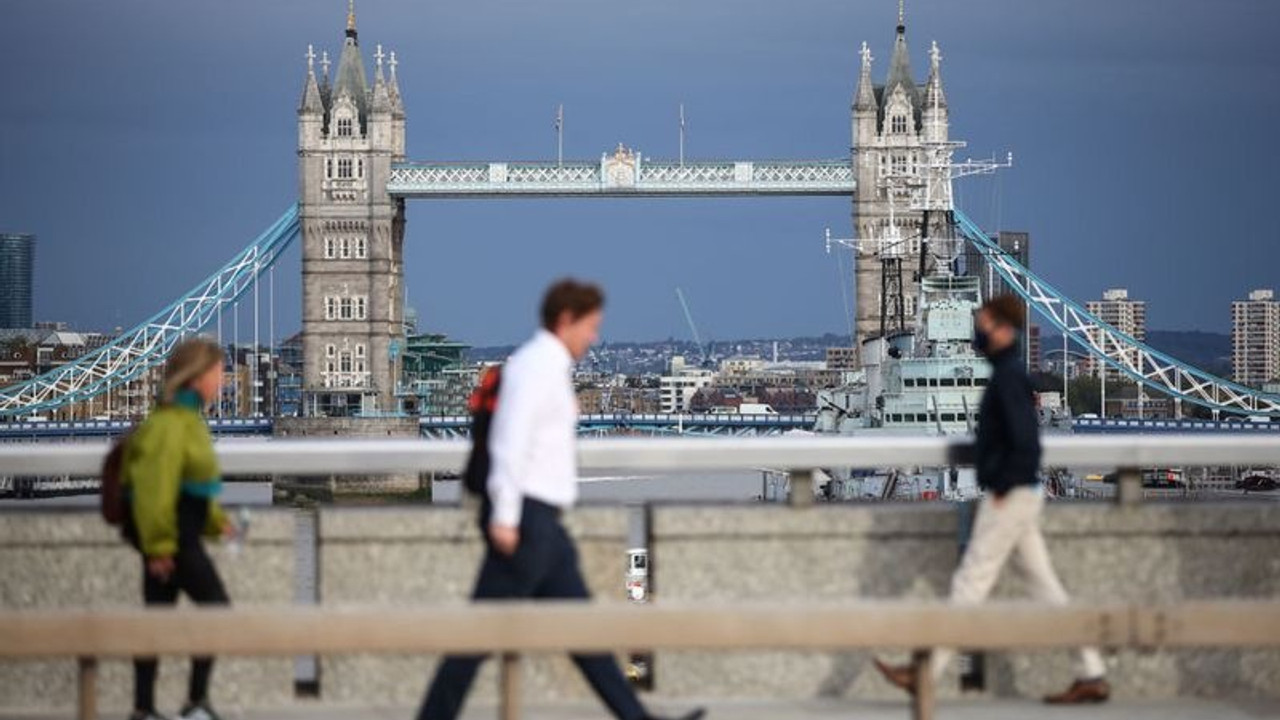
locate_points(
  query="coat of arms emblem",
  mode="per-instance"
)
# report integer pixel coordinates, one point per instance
(620, 168)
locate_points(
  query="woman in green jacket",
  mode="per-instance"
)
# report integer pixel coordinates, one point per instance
(171, 479)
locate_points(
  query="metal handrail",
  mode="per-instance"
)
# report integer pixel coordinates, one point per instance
(366, 457)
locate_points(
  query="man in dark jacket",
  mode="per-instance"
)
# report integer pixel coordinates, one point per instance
(1008, 520)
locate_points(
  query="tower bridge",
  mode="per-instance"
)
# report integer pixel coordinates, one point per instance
(355, 179)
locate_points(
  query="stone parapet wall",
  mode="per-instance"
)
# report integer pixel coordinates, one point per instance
(1103, 552)
(52, 560)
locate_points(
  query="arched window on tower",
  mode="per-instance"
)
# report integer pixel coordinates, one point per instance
(898, 125)
(344, 127)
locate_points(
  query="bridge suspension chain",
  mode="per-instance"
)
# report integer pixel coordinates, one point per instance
(1137, 360)
(133, 353)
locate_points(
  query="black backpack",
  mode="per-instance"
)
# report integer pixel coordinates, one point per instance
(482, 404)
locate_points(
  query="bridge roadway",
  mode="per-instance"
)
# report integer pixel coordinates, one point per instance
(446, 426)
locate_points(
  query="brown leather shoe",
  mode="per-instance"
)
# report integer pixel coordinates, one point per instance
(1082, 692)
(902, 677)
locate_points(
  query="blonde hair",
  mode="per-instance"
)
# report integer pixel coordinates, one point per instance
(188, 361)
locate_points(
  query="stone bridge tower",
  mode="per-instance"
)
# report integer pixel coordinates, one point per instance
(349, 134)
(891, 125)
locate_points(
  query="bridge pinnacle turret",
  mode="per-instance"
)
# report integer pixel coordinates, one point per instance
(900, 69)
(934, 98)
(393, 87)
(312, 101)
(381, 94)
(865, 99)
(351, 19)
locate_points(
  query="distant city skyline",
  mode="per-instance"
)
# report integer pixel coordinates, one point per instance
(146, 143)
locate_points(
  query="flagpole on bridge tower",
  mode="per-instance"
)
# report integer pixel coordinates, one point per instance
(560, 134)
(681, 134)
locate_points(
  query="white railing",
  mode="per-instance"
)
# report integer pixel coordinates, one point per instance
(298, 457)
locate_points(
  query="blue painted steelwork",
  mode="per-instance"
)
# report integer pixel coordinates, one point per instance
(112, 428)
(1123, 425)
(1137, 360)
(447, 426)
(148, 344)
(459, 425)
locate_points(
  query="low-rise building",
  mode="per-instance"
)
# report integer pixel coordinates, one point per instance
(677, 388)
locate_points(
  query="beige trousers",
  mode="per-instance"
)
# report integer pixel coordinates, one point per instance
(1014, 525)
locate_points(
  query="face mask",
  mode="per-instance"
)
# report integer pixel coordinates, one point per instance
(981, 341)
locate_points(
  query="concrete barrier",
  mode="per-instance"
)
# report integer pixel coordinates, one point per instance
(422, 556)
(1164, 552)
(72, 559)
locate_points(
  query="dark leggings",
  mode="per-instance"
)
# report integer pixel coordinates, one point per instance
(195, 575)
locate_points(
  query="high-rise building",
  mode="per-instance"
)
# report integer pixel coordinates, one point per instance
(1255, 338)
(1035, 360)
(1124, 314)
(17, 262)
(1016, 243)
(350, 131)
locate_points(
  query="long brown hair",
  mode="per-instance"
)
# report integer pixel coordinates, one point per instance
(188, 361)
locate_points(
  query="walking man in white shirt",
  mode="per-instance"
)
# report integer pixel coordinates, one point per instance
(532, 478)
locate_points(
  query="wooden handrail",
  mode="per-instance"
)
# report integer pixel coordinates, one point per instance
(490, 627)
(512, 628)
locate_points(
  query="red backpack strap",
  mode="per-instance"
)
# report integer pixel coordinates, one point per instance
(485, 397)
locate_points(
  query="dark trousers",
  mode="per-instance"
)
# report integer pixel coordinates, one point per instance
(545, 565)
(193, 574)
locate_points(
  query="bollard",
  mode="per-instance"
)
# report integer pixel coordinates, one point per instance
(509, 689)
(87, 699)
(922, 699)
(1129, 486)
(801, 488)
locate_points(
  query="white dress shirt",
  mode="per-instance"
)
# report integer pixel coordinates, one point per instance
(535, 429)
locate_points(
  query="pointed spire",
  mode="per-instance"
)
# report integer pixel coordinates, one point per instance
(900, 64)
(393, 87)
(866, 96)
(933, 95)
(350, 79)
(312, 102)
(381, 95)
(325, 89)
(902, 16)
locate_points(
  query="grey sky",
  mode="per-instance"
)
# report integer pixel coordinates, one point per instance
(145, 141)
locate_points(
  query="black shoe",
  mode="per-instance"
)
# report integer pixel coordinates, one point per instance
(198, 711)
(694, 714)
